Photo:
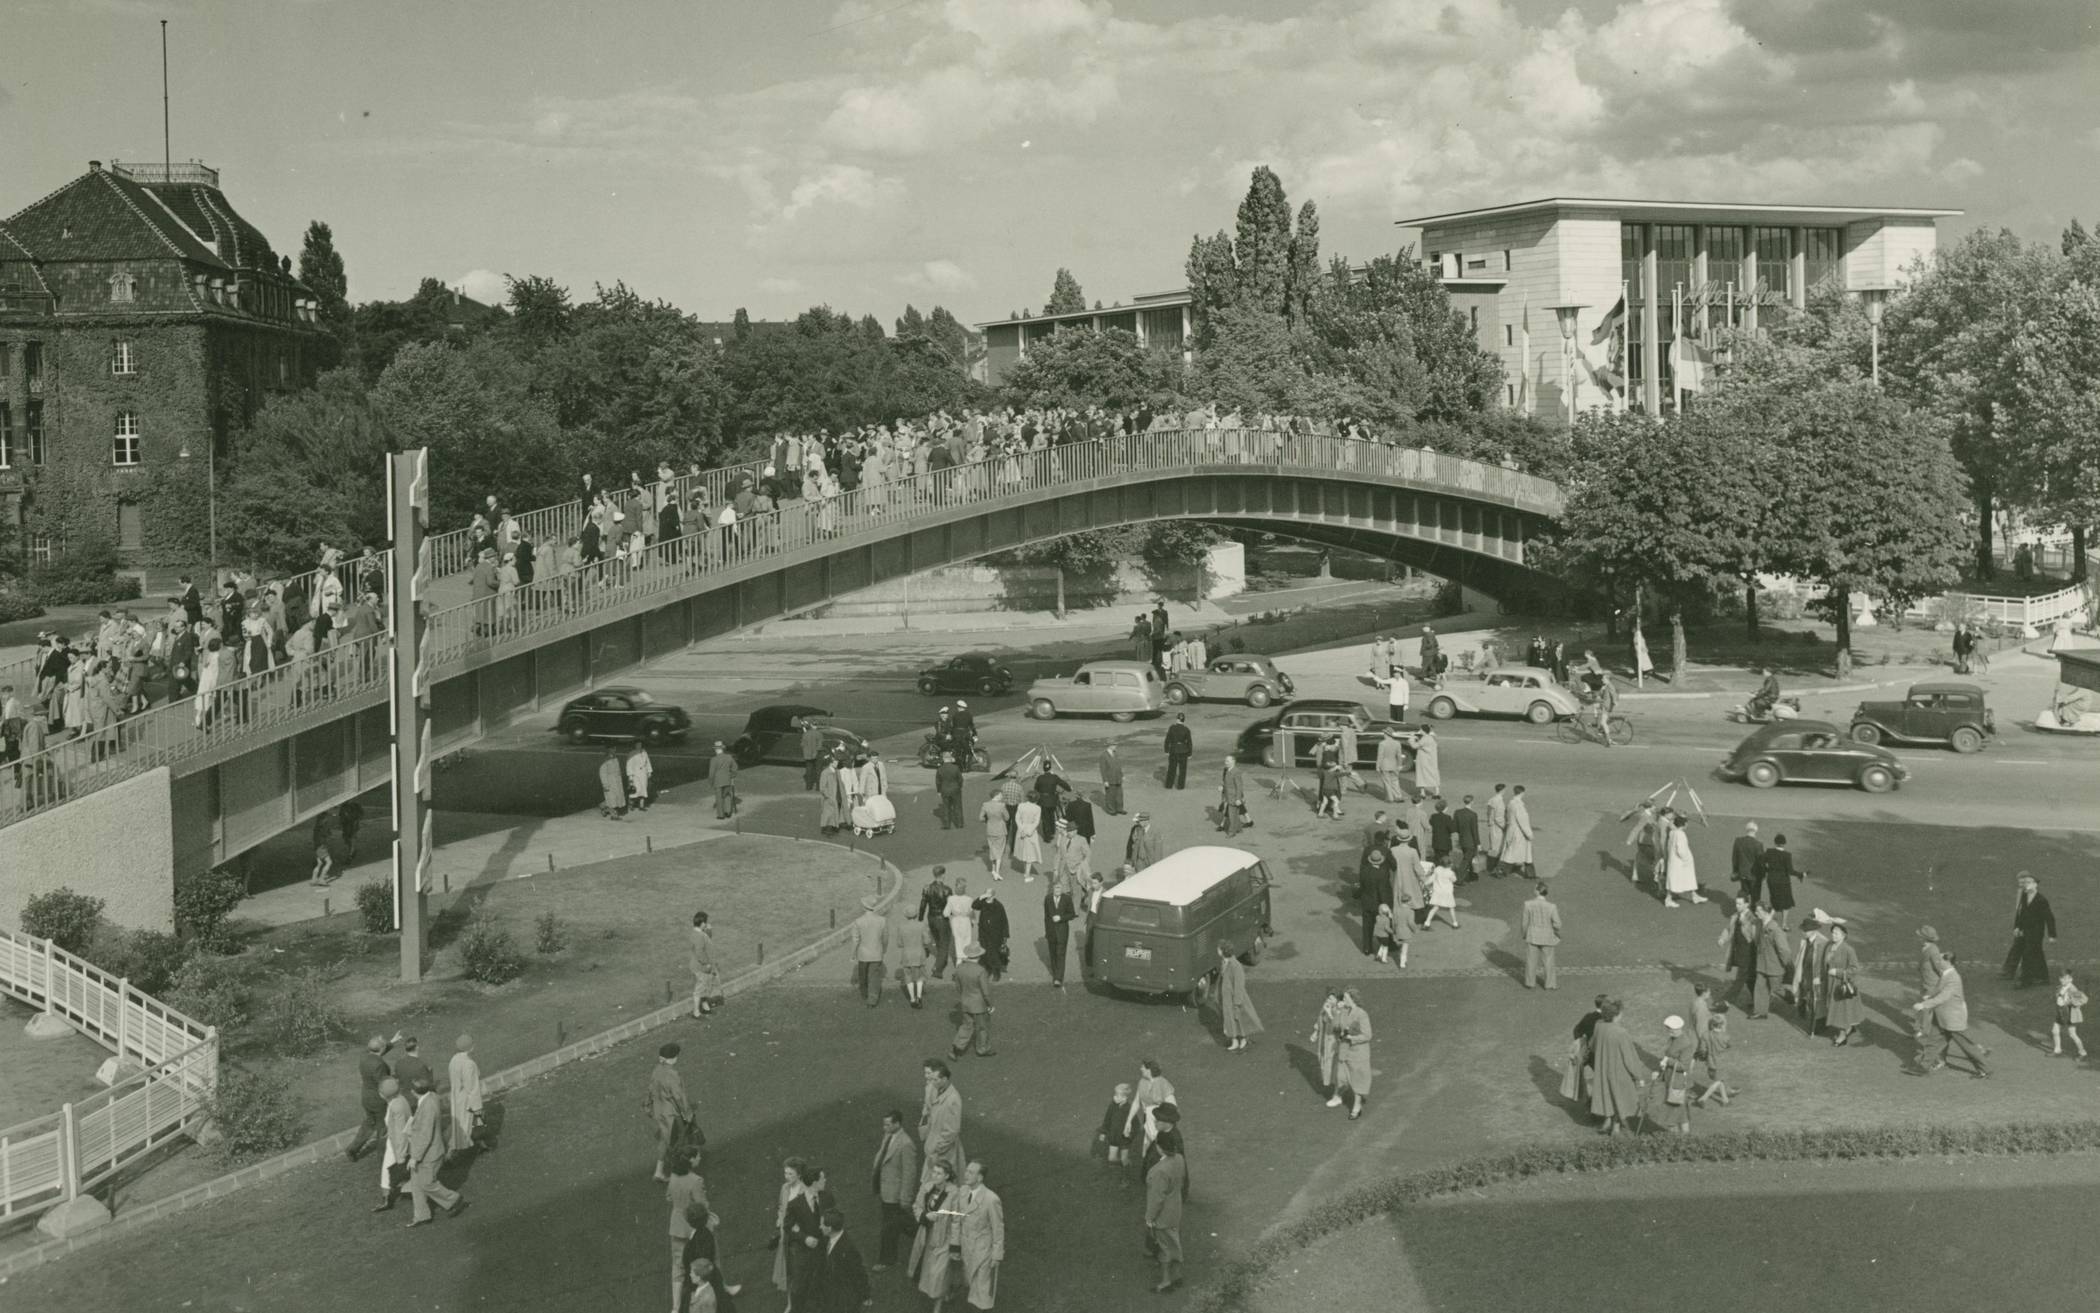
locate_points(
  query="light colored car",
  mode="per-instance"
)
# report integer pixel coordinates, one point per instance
(1123, 690)
(1506, 691)
(1234, 677)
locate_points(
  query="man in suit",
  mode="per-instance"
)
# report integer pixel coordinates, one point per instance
(1081, 813)
(1111, 781)
(1498, 827)
(1443, 832)
(1746, 862)
(871, 942)
(948, 786)
(840, 1283)
(1165, 1184)
(1374, 886)
(1392, 759)
(411, 1067)
(191, 602)
(668, 1108)
(1181, 745)
(812, 754)
(1775, 962)
(1949, 1009)
(1541, 937)
(721, 773)
(896, 1182)
(940, 1122)
(1141, 849)
(2034, 924)
(973, 986)
(1467, 822)
(933, 910)
(982, 1235)
(1058, 912)
(371, 1070)
(426, 1153)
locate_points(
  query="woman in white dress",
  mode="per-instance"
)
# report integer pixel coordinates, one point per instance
(1028, 836)
(1680, 871)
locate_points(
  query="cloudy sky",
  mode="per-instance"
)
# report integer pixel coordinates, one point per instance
(777, 153)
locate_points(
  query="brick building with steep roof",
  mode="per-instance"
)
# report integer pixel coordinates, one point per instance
(142, 321)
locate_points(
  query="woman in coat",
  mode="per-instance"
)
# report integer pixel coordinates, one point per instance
(1617, 1071)
(790, 1191)
(1235, 1008)
(1326, 1047)
(1351, 1029)
(800, 1234)
(831, 797)
(1153, 1089)
(1232, 798)
(1680, 871)
(210, 663)
(1674, 1074)
(1429, 772)
(1575, 1078)
(1811, 996)
(1841, 985)
(932, 1249)
(707, 974)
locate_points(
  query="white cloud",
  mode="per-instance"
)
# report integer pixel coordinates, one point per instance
(939, 276)
(780, 286)
(835, 185)
(484, 285)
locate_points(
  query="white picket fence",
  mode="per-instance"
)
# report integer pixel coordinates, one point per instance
(54, 1158)
(2037, 613)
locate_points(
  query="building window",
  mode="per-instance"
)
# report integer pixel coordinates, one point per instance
(33, 365)
(33, 428)
(1509, 335)
(124, 448)
(1509, 391)
(123, 358)
(1473, 317)
(7, 361)
(1724, 276)
(40, 548)
(1825, 250)
(123, 287)
(1775, 268)
(131, 534)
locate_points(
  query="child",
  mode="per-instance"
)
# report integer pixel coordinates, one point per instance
(2070, 1011)
(1382, 931)
(1710, 1038)
(1114, 1123)
(1403, 934)
(1443, 894)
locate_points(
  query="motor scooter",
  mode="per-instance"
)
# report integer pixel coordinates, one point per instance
(1784, 709)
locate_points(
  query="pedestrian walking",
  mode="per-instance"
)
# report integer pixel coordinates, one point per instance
(1739, 943)
(686, 1193)
(1680, 870)
(372, 1071)
(2070, 1015)
(1617, 1072)
(1113, 1136)
(1073, 862)
(1777, 867)
(1374, 889)
(641, 776)
(938, 1243)
(993, 816)
(895, 1179)
(1774, 962)
(840, 1282)
(973, 988)
(1346, 1028)
(1541, 938)
(426, 1154)
(1841, 971)
(1111, 781)
(700, 960)
(612, 785)
(933, 910)
(721, 773)
(1232, 799)
(2034, 925)
(1710, 1036)
(1497, 828)
(1166, 1186)
(463, 1088)
(1058, 912)
(833, 799)
(948, 785)
(1673, 1075)
(1181, 745)
(992, 931)
(871, 942)
(1466, 824)
(410, 1066)
(1429, 771)
(960, 912)
(914, 942)
(1391, 760)
(1028, 838)
(1443, 894)
(1236, 1013)
(668, 1109)
(393, 1163)
(803, 1233)
(350, 818)
(1948, 1007)
(1645, 838)
(1516, 838)
(1141, 848)
(941, 1121)
(813, 754)
(1154, 1092)
(981, 1238)
(1746, 859)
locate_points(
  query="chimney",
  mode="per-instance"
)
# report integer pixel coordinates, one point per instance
(94, 166)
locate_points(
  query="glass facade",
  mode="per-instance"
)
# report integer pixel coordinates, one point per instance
(1775, 265)
(1826, 253)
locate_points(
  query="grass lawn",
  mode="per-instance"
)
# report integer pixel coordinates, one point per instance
(38, 1075)
(627, 922)
(1924, 1236)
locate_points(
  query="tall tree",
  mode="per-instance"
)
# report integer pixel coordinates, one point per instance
(1081, 367)
(2075, 236)
(1304, 287)
(539, 307)
(312, 471)
(2056, 368)
(1262, 244)
(321, 269)
(1065, 296)
(911, 323)
(488, 432)
(948, 333)
(740, 325)
(1214, 282)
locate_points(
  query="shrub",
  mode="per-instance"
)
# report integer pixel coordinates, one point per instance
(63, 917)
(487, 952)
(551, 933)
(375, 907)
(148, 959)
(300, 1015)
(213, 990)
(255, 1114)
(18, 603)
(202, 904)
(85, 575)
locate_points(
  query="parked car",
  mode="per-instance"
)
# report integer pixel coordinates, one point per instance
(972, 672)
(770, 735)
(1506, 691)
(621, 713)
(1811, 752)
(1123, 690)
(1293, 735)
(1236, 677)
(1944, 711)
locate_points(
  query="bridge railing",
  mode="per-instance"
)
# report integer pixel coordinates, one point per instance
(194, 725)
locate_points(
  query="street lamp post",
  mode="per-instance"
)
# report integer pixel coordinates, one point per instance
(211, 503)
(1565, 315)
(1876, 299)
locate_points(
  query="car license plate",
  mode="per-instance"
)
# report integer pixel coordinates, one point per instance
(1138, 951)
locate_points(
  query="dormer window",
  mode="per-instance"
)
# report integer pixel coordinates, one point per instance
(123, 287)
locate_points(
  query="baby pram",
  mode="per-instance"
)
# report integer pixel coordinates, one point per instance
(874, 815)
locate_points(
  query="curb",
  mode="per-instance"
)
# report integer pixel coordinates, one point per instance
(508, 1079)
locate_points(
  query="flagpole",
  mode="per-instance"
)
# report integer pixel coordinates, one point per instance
(1676, 357)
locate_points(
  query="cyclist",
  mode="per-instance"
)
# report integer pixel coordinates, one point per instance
(1606, 704)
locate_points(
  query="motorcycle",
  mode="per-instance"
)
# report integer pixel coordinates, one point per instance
(930, 755)
(1784, 709)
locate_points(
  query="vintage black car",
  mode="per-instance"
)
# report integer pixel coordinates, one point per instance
(972, 672)
(770, 735)
(1292, 736)
(1811, 752)
(1234, 677)
(621, 713)
(1945, 712)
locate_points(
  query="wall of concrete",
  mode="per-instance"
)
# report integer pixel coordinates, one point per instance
(979, 587)
(116, 844)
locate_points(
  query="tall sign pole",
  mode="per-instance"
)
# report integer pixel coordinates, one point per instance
(167, 150)
(408, 703)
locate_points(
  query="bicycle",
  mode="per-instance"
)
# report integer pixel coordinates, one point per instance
(1585, 727)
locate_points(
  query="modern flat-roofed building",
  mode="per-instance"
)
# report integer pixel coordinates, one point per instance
(1160, 321)
(1561, 264)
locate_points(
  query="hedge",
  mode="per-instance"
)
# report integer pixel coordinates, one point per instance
(1243, 1276)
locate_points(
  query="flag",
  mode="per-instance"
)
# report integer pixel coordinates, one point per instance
(1641, 662)
(1693, 364)
(1609, 376)
(1613, 318)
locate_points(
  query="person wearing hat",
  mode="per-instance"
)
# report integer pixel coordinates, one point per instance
(973, 988)
(1673, 1075)
(1374, 889)
(1841, 970)
(871, 940)
(463, 1086)
(992, 930)
(399, 1115)
(1810, 976)
(1432, 655)
(1947, 1008)
(669, 1109)
(2027, 963)
(1392, 759)
(426, 1154)
(1111, 781)
(1141, 848)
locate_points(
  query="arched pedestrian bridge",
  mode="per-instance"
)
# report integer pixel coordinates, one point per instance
(275, 749)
